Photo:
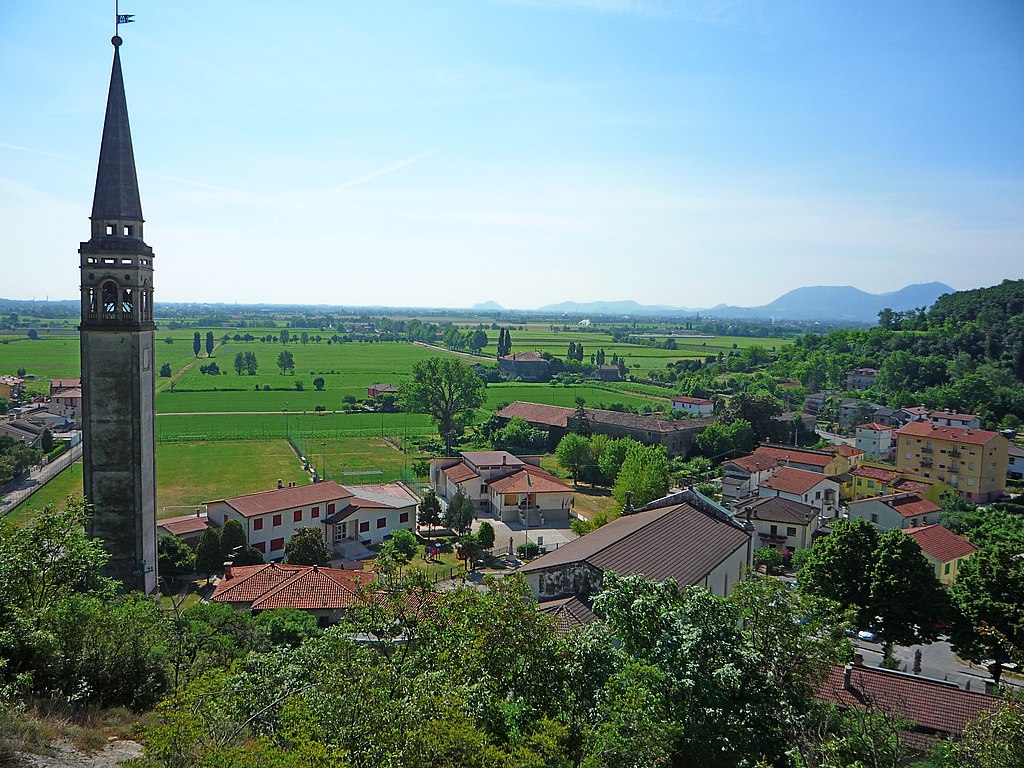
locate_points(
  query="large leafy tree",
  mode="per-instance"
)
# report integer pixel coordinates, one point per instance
(445, 388)
(430, 510)
(906, 598)
(839, 566)
(573, 454)
(307, 547)
(644, 475)
(209, 553)
(459, 515)
(988, 596)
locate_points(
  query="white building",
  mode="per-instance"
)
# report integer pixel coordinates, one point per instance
(695, 406)
(812, 488)
(875, 440)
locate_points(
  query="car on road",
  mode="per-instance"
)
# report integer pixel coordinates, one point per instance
(868, 636)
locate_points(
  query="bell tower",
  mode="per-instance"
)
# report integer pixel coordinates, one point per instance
(117, 340)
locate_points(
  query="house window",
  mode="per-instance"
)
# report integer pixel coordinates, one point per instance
(774, 530)
(330, 509)
(315, 513)
(261, 546)
(127, 231)
(382, 522)
(276, 521)
(817, 494)
(297, 516)
(790, 531)
(871, 483)
(364, 526)
(404, 517)
(339, 532)
(276, 544)
(874, 518)
(945, 570)
(257, 524)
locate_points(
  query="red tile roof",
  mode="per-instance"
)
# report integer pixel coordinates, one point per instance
(306, 587)
(926, 429)
(548, 415)
(184, 524)
(755, 463)
(794, 455)
(906, 485)
(876, 473)
(909, 504)
(281, 499)
(691, 400)
(539, 482)
(941, 543)
(460, 473)
(953, 416)
(557, 416)
(935, 706)
(789, 480)
(526, 357)
(568, 613)
(848, 451)
(776, 509)
(874, 426)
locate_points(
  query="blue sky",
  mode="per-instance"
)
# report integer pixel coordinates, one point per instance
(532, 151)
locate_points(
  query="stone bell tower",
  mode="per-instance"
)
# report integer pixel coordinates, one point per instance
(117, 335)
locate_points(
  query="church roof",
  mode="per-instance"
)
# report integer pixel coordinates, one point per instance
(117, 185)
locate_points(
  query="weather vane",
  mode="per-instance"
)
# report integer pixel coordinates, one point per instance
(121, 18)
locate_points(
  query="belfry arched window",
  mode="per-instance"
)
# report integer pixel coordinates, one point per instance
(92, 302)
(127, 304)
(109, 299)
(146, 300)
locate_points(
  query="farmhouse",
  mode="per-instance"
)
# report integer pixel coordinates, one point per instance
(695, 406)
(684, 537)
(528, 366)
(676, 436)
(376, 390)
(367, 514)
(188, 528)
(504, 485)
(861, 378)
(781, 523)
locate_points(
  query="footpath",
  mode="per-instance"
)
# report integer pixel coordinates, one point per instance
(20, 488)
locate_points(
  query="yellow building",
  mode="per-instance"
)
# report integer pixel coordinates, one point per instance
(943, 549)
(973, 461)
(873, 478)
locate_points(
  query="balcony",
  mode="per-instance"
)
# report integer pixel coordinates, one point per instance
(926, 449)
(925, 461)
(955, 453)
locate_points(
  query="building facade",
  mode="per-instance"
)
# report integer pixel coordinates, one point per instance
(973, 461)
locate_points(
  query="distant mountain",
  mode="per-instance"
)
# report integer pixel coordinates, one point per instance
(610, 308)
(488, 306)
(831, 303)
(836, 303)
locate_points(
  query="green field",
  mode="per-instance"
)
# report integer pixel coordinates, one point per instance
(563, 396)
(54, 493)
(357, 460)
(243, 426)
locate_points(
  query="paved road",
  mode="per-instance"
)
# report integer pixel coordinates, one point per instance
(937, 661)
(19, 489)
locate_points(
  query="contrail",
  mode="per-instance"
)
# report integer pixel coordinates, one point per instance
(40, 152)
(385, 170)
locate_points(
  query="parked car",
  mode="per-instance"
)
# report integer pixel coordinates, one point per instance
(868, 636)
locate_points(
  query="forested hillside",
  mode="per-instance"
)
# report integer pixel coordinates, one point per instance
(966, 353)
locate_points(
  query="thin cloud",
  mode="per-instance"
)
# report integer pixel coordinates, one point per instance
(383, 171)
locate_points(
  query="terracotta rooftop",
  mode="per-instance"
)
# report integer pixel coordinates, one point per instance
(775, 509)
(876, 473)
(280, 499)
(539, 482)
(679, 541)
(557, 416)
(56, 384)
(568, 612)
(306, 587)
(784, 454)
(460, 473)
(848, 451)
(1015, 450)
(755, 463)
(691, 400)
(907, 485)
(926, 429)
(874, 426)
(964, 417)
(790, 480)
(935, 706)
(526, 357)
(69, 392)
(941, 543)
(184, 524)
(389, 496)
(907, 504)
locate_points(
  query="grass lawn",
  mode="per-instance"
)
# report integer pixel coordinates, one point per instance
(358, 460)
(242, 426)
(592, 499)
(547, 394)
(53, 494)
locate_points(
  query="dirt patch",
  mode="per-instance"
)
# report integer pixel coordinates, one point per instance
(114, 753)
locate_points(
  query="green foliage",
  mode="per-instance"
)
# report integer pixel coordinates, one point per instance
(165, 371)
(403, 545)
(429, 510)
(287, 627)
(769, 557)
(307, 547)
(906, 597)
(209, 552)
(528, 550)
(838, 566)
(720, 440)
(15, 457)
(573, 454)
(232, 538)
(445, 388)
(644, 475)
(485, 534)
(175, 557)
(286, 362)
(994, 740)
(459, 515)
(759, 412)
(518, 436)
(197, 343)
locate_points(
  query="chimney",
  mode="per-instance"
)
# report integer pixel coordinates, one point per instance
(990, 687)
(858, 659)
(503, 460)
(627, 508)
(847, 673)
(227, 571)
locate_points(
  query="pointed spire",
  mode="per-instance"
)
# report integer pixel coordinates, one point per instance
(117, 186)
